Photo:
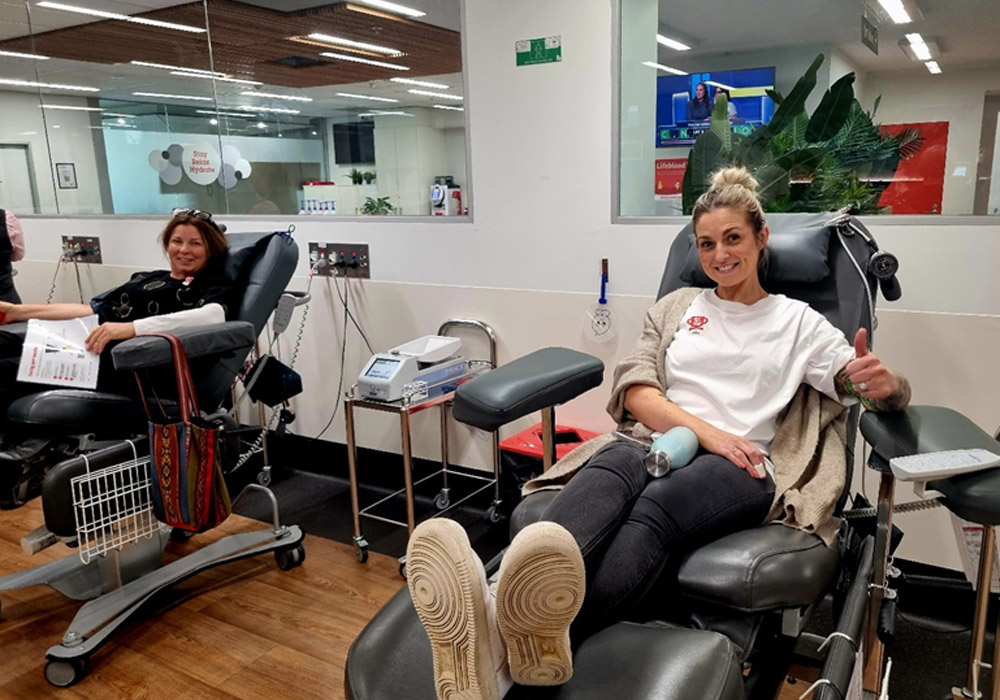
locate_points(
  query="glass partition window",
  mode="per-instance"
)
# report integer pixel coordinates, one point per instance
(879, 107)
(327, 109)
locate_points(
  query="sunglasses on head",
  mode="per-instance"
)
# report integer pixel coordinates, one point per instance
(196, 213)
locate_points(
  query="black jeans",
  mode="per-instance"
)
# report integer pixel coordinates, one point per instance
(629, 524)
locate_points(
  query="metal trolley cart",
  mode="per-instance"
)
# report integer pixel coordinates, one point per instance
(417, 397)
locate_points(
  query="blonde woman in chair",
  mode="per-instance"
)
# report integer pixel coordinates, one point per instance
(764, 382)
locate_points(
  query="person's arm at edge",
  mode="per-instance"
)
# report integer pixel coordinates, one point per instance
(16, 235)
(189, 318)
(46, 312)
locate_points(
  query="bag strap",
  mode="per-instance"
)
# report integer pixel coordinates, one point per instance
(187, 398)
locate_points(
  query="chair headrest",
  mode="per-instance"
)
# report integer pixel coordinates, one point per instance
(799, 248)
(260, 265)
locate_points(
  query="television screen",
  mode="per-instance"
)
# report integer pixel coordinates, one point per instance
(680, 119)
(354, 143)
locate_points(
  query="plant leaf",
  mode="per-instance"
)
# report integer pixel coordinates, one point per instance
(720, 124)
(833, 110)
(705, 159)
(775, 96)
(803, 160)
(773, 181)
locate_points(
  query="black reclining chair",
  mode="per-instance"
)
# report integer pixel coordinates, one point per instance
(738, 604)
(123, 579)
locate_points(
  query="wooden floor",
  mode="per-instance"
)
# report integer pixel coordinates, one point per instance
(245, 630)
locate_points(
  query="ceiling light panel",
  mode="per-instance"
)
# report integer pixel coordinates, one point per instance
(172, 97)
(933, 67)
(393, 7)
(660, 66)
(340, 41)
(291, 98)
(241, 81)
(18, 54)
(221, 114)
(672, 43)
(54, 86)
(366, 61)
(123, 18)
(442, 95)
(366, 97)
(420, 83)
(896, 11)
(273, 110)
(450, 107)
(166, 66)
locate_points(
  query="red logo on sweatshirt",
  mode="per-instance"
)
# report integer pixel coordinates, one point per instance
(697, 323)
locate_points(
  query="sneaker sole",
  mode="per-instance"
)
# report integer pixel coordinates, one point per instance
(443, 578)
(540, 591)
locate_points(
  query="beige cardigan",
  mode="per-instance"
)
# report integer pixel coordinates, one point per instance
(807, 450)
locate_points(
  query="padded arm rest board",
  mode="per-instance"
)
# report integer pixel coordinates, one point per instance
(147, 351)
(918, 429)
(544, 378)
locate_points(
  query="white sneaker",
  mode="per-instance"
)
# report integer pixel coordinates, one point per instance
(448, 586)
(539, 592)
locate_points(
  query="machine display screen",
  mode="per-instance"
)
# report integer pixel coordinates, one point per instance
(382, 369)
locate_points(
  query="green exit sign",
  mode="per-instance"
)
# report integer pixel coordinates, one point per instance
(531, 52)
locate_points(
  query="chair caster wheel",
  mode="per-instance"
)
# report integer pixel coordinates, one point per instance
(442, 500)
(402, 568)
(362, 554)
(494, 514)
(288, 559)
(264, 477)
(63, 674)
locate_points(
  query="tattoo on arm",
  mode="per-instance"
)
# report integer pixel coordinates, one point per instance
(894, 402)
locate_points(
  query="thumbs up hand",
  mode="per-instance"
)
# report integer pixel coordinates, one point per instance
(871, 379)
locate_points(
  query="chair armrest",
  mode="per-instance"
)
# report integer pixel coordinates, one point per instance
(541, 379)
(920, 429)
(146, 351)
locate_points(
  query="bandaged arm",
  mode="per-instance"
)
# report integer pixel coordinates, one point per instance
(189, 318)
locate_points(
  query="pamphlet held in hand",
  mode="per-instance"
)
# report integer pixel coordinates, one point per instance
(55, 352)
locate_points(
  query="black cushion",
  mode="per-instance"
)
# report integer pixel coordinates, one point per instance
(80, 411)
(541, 379)
(921, 429)
(765, 568)
(798, 253)
(391, 658)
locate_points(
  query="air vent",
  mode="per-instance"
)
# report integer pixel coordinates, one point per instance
(300, 62)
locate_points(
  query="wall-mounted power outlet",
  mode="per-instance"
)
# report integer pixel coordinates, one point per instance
(343, 259)
(82, 249)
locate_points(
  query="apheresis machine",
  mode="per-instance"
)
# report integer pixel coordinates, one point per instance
(416, 368)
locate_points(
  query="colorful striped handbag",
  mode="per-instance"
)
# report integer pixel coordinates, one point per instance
(186, 481)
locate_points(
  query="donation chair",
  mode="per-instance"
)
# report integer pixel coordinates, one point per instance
(737, 605)
(60, 423)
(121, 579)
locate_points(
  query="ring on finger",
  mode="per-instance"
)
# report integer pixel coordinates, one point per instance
(863, 386)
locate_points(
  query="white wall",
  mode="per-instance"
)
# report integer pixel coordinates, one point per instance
(528, 263)
(956, 97)
(71, 140)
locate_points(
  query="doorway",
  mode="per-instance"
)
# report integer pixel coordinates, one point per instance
(18, 192)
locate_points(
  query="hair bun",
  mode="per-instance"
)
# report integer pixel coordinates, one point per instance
(734, 177)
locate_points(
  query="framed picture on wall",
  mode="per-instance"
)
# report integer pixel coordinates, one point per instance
(66, 176)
